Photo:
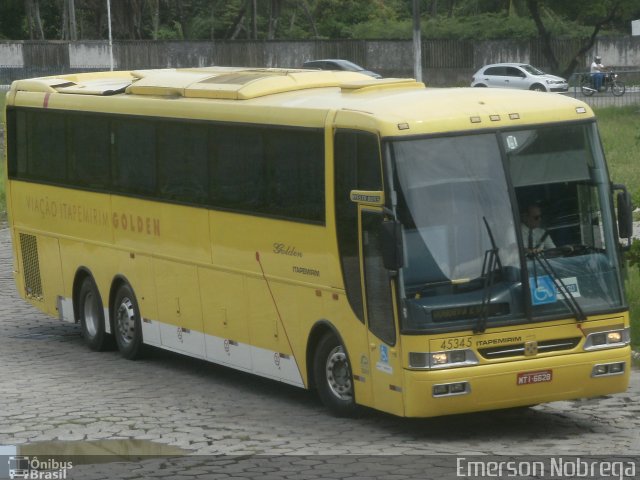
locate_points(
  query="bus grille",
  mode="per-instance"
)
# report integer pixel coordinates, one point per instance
(31, 267)
(518, 349)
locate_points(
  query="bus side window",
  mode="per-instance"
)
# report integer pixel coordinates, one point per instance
(182, 162)
(16, 143)
(47, 154)
(89, 150)
(295, 173)
(237, 172)
(134, 153)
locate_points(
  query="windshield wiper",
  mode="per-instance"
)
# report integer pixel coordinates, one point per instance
(573, 304)
(490, 264)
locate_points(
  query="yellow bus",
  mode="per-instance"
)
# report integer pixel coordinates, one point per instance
(363, 237)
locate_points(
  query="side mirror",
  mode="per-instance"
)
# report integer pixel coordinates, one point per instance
(625, 212)
(391, 244)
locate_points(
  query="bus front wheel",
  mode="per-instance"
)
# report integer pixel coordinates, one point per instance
(127, 324)
(92, 317)
(333, 377)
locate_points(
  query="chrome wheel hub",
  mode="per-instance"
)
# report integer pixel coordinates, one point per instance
(125, 320)
(337, 372)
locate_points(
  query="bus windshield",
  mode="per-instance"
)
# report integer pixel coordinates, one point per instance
(471, 206)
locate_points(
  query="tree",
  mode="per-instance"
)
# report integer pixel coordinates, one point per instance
(154, 7)
(11, 12)
(32, 8)
(596, 13)
(274, 16)
(69, 25)
(303, 19)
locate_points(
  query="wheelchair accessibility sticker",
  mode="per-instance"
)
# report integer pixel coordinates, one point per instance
(544, 290)
(383, 363)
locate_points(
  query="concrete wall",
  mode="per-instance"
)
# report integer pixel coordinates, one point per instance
(621, 52)
(445, 62)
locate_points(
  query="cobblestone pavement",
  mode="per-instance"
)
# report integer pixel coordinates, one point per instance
(52, 388)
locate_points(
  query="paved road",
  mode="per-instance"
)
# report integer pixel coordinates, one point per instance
(52, 388)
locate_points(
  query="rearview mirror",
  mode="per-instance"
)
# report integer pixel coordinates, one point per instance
(625, 212)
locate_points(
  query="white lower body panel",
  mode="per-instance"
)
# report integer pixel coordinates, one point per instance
(224, 351)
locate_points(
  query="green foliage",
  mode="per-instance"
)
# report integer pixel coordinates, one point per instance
(11, 15)
(632, 288)
(633, 254)
(619, 131)
(337, 18)
(620, 139)
(303, 19)
(589, 12)
(486, 26)
(173, 32)
(383, 29)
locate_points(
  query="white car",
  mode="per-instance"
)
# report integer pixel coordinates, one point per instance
(518, 75)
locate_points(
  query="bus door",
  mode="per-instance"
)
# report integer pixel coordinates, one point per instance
(385, 360)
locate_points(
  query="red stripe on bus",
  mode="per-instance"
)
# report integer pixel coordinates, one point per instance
(45, 104)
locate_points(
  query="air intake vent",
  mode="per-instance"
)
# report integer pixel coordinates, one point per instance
(31, 267)
(516, 350)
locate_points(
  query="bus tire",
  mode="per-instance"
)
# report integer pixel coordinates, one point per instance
(333, 376)
(91, 316)
(127, 325)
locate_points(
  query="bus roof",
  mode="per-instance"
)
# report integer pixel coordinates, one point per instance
(392, 106)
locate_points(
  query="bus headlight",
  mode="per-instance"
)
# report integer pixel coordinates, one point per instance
(607, 339)
(444, 359)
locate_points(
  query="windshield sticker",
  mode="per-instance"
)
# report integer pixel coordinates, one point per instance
(543, 290)
(571, 284)
(512, 142)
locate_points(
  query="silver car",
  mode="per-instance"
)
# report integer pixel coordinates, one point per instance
(518, 75)
(338, 64)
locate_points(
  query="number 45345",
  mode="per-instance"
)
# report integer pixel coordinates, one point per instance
(454, 343)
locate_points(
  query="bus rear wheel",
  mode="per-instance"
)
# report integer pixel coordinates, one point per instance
(333, 377)
(127, 324)
(92, 317)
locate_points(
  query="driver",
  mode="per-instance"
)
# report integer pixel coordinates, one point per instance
(535, 237)
(597, 72)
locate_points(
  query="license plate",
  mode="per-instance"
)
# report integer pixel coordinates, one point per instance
(528, 378)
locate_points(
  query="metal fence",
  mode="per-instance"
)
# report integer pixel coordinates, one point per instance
(630, 78)
(445, 62)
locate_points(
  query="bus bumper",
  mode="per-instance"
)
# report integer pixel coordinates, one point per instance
(515, 383)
